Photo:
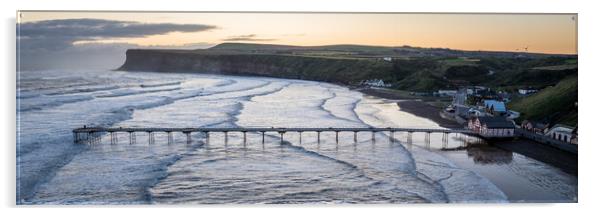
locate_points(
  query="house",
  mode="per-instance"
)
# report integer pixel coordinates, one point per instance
(466, 112)
(488, 94)
(450, 93)
(535, 127)
(388, 59)
(494, 107)
(492, 127)
(574, 137)
(561, 132)
(375, 83)
(527, 91)
(470, 90)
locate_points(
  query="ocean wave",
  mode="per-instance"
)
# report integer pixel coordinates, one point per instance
(159, 84)
(330, 105)
(126, 92)
(84, 90)
(43, 102)
(221, 103)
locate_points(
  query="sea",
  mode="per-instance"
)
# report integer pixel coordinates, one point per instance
(393, 168)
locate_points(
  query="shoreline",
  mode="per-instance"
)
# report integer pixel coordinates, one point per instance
(553, 156)
(414, 106)
(496, 154)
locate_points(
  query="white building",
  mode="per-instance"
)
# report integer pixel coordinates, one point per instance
(470, 90)
(527, 91)
(375, 83)
(450, 93)
(561, 132)
(388, 59)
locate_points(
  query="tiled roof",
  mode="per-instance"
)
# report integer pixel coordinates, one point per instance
(498, 106)
(495, 122)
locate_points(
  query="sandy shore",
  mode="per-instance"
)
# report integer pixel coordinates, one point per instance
(414, 106)
(491, 161)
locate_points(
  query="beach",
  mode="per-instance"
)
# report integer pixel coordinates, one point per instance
(414, 106)
(229, 170)
(502, 162)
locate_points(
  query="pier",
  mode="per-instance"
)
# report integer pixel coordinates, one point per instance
(93, 134)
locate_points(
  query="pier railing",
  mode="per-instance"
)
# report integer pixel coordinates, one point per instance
(93, 134)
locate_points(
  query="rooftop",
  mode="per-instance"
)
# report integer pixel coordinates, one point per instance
(497, 106)
(495, 122)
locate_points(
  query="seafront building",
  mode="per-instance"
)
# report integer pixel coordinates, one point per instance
(491, 126)
(562, 132)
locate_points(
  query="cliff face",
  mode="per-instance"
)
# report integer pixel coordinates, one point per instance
(281, 66)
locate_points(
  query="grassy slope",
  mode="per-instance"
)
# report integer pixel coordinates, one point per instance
(556, 103)
(411, 69)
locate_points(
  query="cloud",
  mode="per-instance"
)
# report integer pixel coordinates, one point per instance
(249, 37)
(59, 34)
(50, 44)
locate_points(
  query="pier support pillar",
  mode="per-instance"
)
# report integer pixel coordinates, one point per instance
(281, 137)
(244, 137)
(151, 137)
(132, 137)
(336, 136)
(427, 139)
(391, 136)
(445, 138)
(169, 138)
(262, 137)
(373, 136)
(300, 137)
(225, 137)
(188, 137)
(410, 137)
(318, 136)
(207, 137)
(354, 136)
(113, 137)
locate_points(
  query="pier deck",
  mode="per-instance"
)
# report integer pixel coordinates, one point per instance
(269, 129)
(93, 134)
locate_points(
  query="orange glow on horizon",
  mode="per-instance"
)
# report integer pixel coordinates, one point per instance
(541, 33)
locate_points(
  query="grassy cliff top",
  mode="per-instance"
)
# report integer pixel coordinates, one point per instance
(404, 67)
(556, 104)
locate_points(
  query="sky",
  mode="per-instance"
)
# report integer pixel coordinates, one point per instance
(44, 36)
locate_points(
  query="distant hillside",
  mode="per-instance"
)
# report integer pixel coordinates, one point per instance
(344, 71)
(405, 68)
(556, 104)
(368, 50)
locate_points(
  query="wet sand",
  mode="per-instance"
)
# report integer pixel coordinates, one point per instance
(414, 106)
(502, 161)
(428, 111)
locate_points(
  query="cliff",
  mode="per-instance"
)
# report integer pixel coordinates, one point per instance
(405, 68)
(338, 70)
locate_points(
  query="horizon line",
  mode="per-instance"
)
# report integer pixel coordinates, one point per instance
(367, 45)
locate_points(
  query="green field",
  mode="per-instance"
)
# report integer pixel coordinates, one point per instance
(556, 104)
(411, 69)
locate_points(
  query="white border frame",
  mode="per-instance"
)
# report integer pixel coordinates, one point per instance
(590, 74)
